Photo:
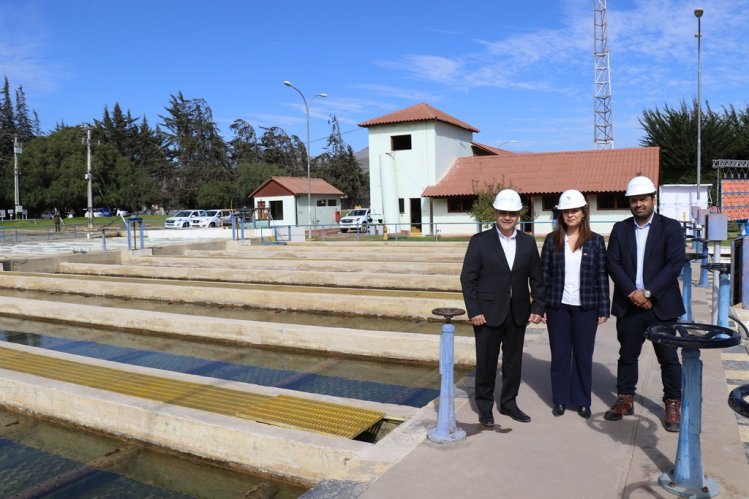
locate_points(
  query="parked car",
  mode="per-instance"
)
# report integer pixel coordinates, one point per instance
(209, 218)
(225, 216)
(121, 213)
(359, 220)
(99, 212)
(48, 215)
(182, 219)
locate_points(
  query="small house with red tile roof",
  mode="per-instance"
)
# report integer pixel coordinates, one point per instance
(286, 197)
(426, 171)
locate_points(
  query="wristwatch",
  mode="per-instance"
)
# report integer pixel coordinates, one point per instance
(647, 293)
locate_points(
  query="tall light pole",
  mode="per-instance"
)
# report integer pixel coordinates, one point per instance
(698, 15)
(309, 175)
(89, 178)
(16, 151)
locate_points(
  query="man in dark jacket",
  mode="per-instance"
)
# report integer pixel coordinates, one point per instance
(499, 265)
(644, 259)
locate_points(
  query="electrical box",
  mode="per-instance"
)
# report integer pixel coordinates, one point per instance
(716, 227)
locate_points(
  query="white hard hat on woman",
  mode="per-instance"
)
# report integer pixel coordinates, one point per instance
(571, 199)
(507, 200)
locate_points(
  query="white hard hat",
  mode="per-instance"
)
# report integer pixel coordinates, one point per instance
(507, 200)
(640, 186)
(571, 199)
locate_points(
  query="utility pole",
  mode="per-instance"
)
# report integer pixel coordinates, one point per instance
(17, 149)
(89, 179)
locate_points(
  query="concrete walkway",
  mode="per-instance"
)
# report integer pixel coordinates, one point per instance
(570, 457)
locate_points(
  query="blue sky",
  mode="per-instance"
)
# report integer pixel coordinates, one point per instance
(518, 71)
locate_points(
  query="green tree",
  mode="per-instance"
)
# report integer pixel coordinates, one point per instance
(675, 132)
(338, 166)
(195, 147)
(287, 152)
(250, 176)
(482, 209)
(244, 146)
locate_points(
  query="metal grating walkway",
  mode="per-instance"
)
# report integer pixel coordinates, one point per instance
(286, 411)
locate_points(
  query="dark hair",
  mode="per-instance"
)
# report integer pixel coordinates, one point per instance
(561, 230)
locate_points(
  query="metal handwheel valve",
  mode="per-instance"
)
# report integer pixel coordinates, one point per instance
(687, 478)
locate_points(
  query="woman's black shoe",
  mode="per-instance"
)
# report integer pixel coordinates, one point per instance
(558, 410)
(584, 412)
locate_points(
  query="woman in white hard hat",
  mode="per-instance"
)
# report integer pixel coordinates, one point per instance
(573, 260)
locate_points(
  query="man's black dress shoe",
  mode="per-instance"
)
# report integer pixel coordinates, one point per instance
(486, 420)
(584, 412)
(558, 410)
(515, 413)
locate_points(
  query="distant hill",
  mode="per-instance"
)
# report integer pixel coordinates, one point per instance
(362, 157)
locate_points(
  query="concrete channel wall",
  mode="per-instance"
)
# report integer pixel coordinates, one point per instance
(300, 455)
(411, 347)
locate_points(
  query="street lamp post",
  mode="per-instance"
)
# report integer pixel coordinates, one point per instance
(309, 175)
(506, 142)
(16, 151)
(698, 15)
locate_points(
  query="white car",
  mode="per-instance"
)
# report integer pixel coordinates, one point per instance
(182, 219)
(359, 220)
(210, 218)
(122, 213)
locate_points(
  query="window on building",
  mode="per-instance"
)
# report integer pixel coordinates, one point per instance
(401, 205)
(320, 202)
(276, 210)
(460, 204)
(400, 142)
(332, 202)
(548, 202)
(612, 201)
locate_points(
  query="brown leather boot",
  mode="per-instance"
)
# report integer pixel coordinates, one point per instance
(673, 414)
(624, 406)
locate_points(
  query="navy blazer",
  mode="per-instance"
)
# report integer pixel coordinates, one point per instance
(492, 289)
(594, 281)
(662, 265)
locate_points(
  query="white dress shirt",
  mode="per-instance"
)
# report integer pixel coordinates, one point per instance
(641, 236)
(508, 246)
(572, 261)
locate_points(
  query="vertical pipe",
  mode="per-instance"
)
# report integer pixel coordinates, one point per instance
(686, 291)
(724, 299)
(716, 283)
(688, 471)
(447, 429)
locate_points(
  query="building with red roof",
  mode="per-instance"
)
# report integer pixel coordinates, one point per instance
(426, 171)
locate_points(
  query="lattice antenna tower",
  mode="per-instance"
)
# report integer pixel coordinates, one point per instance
(603, 134)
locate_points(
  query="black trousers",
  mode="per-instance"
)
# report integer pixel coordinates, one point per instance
(572, 338)
(488, 341)
(630, 331)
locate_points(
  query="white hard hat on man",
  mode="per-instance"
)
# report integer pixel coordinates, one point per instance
(507, 200)
(640, 186)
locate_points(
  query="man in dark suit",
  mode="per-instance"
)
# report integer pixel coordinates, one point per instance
(644, 259)
(499, 265)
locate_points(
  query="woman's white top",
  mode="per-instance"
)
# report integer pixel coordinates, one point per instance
(572, 260)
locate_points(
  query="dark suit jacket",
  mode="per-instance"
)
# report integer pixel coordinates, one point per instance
(664, 259)
(491, 288)
(594, 281)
